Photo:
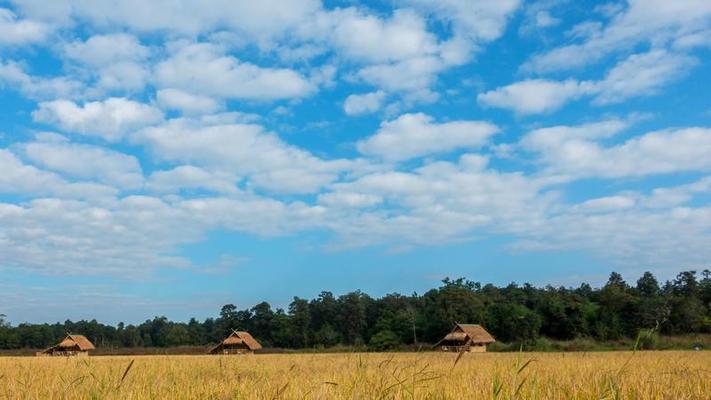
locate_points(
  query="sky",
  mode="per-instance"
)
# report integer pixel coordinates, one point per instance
(172, 156)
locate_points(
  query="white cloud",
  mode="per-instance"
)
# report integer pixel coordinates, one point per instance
(117, 61)
(416, 135)
(679, 236)
(609, 203)
(359, 104)
(677, 195)
(23, 179)
(396, 54)
(575, 152)
(348, 200)
(36, 87)
(535, 96)
(20, 178)
(110, 119)
(639, 75)
(371, 39)
(187, 103)
(207, 168)
(261, 21)
(411, 75)
(242, 150)
(550, 138)
(133, 235)
(477, 20)
(103, 50)
(20, 32)
(203, 69)
(440, 202)
(191, 178)
(86, 162)
(69, 237)
(643, 21)
(545, 20)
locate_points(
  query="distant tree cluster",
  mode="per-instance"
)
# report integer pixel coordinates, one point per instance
(512, 314)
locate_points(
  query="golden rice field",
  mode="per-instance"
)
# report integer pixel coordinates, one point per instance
(615, 375)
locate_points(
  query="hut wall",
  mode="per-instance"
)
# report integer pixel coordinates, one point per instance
(477, 348)
(62, 353)
(237, 351)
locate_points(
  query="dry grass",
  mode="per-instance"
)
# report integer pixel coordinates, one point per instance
(619, 375)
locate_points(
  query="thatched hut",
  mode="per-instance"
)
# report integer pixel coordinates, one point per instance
(72, 345)
(466, 337)
(239, 342)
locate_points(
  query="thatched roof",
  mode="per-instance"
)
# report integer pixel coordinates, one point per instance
(456, 336)
(73, 341)
(239, 338)
(477, 333)
(468, 333)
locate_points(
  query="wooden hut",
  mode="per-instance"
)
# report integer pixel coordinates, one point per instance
(72, 345)
(466, 337)
(239, 342)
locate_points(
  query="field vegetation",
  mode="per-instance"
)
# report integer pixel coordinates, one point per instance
(604, 375)
(538, 318)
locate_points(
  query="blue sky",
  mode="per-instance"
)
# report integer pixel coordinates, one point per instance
(165, 158)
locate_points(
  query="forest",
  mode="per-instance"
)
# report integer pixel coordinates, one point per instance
(513, 314)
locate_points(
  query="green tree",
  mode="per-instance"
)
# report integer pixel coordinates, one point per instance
(513, 322)
(384, 340)
(300, 317)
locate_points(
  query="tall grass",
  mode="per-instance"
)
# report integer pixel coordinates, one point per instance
(605, 375)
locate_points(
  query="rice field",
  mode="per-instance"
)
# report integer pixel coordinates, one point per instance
(612, 375)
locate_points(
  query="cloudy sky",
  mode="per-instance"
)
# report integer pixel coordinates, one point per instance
(167, 157)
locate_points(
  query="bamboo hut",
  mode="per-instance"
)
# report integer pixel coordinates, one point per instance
(72, 345)
(239, 342)
(466, 337)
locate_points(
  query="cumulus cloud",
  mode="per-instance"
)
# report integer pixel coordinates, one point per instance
(639, 75)
(359, 104)
(188, 177)
(349, 200)
(643, 21)
(102, 50)
(13, 75)
(642, 75)
(665, 197)
(416, 135)
(243, 150)
(22, 31)
(609, 203)
(398, 54)
(87, 208)
(134, 234)
(535, 96)
(371, 39)
(576, 151)
(204, 69)
(188, 103)
(415, 75)
(110, 119)
(440, 202)
(86, 162)
(679, 235)
(262, 21)
(22, 179)
(116, 61)
(477, 20)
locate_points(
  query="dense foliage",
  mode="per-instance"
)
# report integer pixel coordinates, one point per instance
(512, 314)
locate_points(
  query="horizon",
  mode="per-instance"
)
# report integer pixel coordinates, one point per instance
(284, 306)
(159, 160)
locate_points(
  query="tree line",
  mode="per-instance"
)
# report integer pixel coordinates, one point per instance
(514, 313)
